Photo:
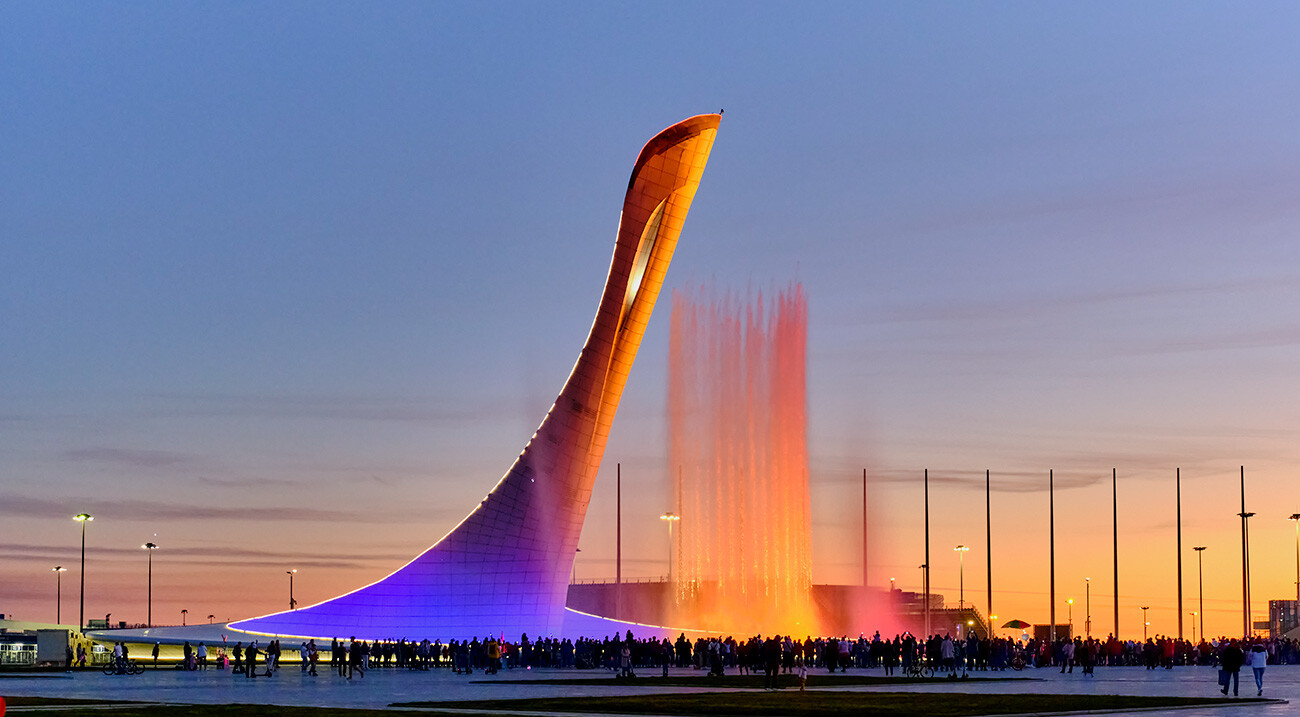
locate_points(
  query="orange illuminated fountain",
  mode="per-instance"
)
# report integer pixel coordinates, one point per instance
(738, 427)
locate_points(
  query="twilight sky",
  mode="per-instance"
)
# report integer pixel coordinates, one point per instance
(290, 285)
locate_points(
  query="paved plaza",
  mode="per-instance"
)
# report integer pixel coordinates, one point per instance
(382, 687)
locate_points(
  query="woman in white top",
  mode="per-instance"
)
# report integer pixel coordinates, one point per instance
(1257, 658)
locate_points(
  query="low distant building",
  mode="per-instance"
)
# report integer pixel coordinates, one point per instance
(38, 644)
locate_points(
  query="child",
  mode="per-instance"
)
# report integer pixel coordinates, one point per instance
(802, 671)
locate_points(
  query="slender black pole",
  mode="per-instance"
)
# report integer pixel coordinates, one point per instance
(1114, 512)
(1051, 531)
(864, 527)
(1245, 560)
(149, 612)
(81, 617)
(1178, 481)
(1200, 586)
(988, 540)
(618, 540)
(618, 524)
(927, 553)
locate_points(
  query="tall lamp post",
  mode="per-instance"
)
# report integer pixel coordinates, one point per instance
(1245, 558)
(1200, 586)
(83, 518)
(150, 547)
(961, 575)
(183, 614)
(293, 604)
(1193, 614)
(1069, 614)
(670, 519)
(1087, 607)
(59, 570)
(1144, 622)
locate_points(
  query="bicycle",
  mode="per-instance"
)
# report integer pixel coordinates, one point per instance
(130, 668)
(919, 669)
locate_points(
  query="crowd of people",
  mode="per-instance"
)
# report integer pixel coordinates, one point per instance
(771, 655)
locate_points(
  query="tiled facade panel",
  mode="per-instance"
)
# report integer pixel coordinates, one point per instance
(505, 568)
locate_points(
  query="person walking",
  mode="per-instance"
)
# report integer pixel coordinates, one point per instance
(1229, 666)
(1257, 658)
(354, 659)
(250, 660)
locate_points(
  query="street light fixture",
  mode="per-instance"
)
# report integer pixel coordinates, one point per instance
(150, 547)
(1069, 614)
(961, 574)
(293, 604)
(671, 519)
(83, 518)
(59, 570)
(1144, 622)
(183, 614)
(1194, 614)
(211, 618)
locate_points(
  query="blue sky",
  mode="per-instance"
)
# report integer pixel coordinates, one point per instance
(293, 283)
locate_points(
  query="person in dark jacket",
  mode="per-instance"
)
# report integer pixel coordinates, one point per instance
(250, 659)
(1230, 662)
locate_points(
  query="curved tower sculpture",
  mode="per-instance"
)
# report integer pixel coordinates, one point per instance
(505, 567)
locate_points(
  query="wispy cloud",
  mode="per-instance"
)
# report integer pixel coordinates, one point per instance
(1271, 337)
(423, 409)
(1269, 187)
(129, 457)
(12, 505)
(1035, 481)
(251, 482)
(44, 554)
(1043, 305)
(1002, 481)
